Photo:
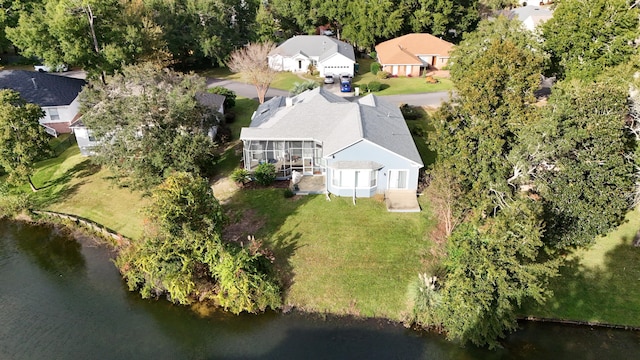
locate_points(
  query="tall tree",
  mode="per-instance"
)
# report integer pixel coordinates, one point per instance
(495, 71)
(22, 140)
(149, 123)
(493, 266)
(580, 160)
(442, 18)
(252, 64)
(367, 22)
(99, 35)
(586, 37)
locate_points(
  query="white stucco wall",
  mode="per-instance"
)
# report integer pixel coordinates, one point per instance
(337, 64)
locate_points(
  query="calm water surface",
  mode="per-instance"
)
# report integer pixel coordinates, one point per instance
(63, 300)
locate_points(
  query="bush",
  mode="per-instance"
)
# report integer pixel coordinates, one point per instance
(241, 176)
(375, 67)
(229, 95)
(409, 112)
(431, 80)
(373, 55)
(265, 174)
(229, 117)
(374, 86)
(288, 193)
(383, 75)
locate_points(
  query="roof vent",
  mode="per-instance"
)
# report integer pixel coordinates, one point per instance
(35, 86)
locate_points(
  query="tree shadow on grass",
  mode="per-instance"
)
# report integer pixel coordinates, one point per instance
(605, 293)
(59, 187)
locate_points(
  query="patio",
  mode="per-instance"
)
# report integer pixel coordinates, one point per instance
(311, 185)
(402, 201)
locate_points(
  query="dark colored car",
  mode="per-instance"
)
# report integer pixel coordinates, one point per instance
(345, 86)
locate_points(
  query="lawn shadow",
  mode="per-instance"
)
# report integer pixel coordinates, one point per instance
(605, 293)
(60, 187)
(284, 246)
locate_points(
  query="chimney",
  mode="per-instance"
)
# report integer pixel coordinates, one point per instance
(35, 86)
(288, 101)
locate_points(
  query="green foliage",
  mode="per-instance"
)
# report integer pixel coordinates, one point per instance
(383, 75)
(585, 38)
(375, 67)
(288, 193)
(410, 112)
(580, 156)
(241, 176)
(265, 174)
(493, 266)
(149, 124)
(229, 96)
(22, 140)
(425, 299)
(374, 56)
(299, 88)
(440, 17)
(12, 204)
(374, 86)
(181, 254)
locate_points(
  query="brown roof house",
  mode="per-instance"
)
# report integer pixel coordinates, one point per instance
(410, 54)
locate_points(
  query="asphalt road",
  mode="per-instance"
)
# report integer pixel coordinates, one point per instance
(249, 91)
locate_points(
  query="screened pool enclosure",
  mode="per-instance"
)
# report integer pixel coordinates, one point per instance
(304, 156)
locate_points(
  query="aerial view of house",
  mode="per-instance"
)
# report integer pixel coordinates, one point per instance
(329, 55)
(56, 95)
(531, 16)
(411, 54)
(358, 149)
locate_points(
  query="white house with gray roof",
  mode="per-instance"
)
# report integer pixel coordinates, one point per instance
(329, 55)
(56, 95)
(532, 16)
(357, 149)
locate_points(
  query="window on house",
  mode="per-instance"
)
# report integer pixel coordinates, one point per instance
(53, 114)
(91, 137)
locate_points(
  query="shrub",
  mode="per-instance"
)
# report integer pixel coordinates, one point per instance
(409, 112)
(431, 80)
(383, 75)
(241, 176)
(288, 193)
(375, 67)
(229, 117)
(299, 88)
(265, 174)
(374, 86)
(229, 96)
(373, 55)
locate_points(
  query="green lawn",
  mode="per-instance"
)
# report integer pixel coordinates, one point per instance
(284, 80)
(599, 284)
(70, 184)
(398, 85)
(340, 258)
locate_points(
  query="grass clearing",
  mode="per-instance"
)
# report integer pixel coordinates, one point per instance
(398, 85)
(601, 283)
(341, 258)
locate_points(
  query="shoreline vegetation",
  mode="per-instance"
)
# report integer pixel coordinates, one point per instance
(87, 231)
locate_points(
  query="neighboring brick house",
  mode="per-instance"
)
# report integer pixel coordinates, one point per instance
(56, 95)
(412, 54)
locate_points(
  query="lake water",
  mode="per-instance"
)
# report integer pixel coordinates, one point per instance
(63, 300)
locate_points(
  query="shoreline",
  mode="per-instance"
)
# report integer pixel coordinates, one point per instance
(86, 231)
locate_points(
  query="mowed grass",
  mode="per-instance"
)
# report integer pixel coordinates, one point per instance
(600, 284)
(283, 81)
(71, 184)
(339, 258)
(398, 85)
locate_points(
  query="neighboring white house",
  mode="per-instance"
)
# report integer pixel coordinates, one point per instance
(330, 56)
(56, 95)
(86, 141)
(531, 16)
(353, 149)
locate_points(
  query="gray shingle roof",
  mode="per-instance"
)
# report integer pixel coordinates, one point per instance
(322, 116)
(213, 101)
(319, 46)
(522, 13)
(42, 88)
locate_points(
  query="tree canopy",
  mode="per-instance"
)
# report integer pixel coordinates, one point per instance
(586, 37)
(251, 62)
(182, 256)
(23, 140)
(148, 123)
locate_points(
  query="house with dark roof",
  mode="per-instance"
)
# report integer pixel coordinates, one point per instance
(411, 54)
(57, 96)
(329, 55)
(86, 141)
(354, 149)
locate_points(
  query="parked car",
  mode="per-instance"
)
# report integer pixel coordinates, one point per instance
(345, 86)
(328, 79)
(45, 68)
(345, 77)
